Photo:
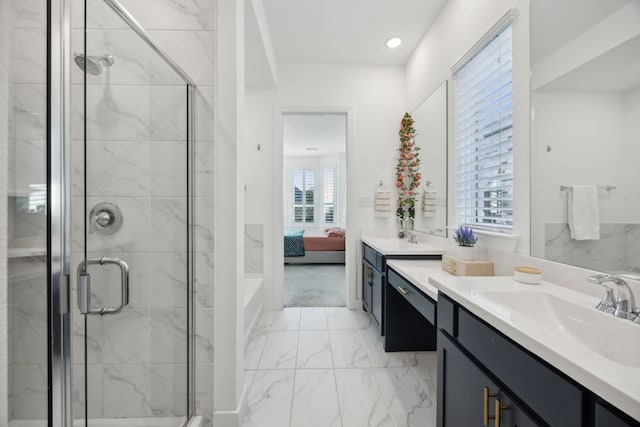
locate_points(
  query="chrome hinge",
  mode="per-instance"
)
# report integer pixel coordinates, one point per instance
(65, 292)
(84, 292)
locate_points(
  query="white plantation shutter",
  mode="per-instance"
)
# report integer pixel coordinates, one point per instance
(329, 196)
(484, 136)
(303, 196)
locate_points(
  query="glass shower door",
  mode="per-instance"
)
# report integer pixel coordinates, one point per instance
(130, 213)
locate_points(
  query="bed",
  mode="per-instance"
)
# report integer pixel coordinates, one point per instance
(314, 247)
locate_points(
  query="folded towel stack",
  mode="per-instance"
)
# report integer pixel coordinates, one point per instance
(383, 203)
(429, 204)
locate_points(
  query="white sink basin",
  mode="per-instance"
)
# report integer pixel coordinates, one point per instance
(615, 339)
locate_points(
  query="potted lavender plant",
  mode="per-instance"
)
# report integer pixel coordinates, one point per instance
(466, 240)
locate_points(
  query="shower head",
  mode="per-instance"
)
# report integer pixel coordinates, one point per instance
(92, 63)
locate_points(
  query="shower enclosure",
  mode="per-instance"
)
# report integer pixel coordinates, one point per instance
(100, 220)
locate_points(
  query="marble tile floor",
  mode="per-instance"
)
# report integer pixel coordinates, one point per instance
(325, 367)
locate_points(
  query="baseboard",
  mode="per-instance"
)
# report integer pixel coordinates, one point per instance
(232, 418)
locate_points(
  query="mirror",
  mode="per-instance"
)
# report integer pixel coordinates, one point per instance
(585, 95)
(430, 122)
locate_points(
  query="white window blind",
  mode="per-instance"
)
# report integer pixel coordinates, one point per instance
(484, 136)
(329, 195)
(304, 196)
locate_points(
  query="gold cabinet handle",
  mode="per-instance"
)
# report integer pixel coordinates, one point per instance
(498, 409)
(403, 290)
(486, 396)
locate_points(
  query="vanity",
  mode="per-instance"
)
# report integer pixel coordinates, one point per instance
(527, 355)
(376, 252)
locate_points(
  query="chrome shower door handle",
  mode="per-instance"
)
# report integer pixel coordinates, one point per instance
(84, 286)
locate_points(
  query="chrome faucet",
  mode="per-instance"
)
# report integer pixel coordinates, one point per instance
(624, 306)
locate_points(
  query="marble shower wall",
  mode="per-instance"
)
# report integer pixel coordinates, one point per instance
(136, 157)
(26, 225)
(617, 249)
(254, 248)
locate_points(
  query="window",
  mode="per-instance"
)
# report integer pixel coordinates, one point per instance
(484, 136)
(329, 196)
(303, 196)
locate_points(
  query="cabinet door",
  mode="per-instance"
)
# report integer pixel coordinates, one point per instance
(377, 282)
(612, 418)
(461, 393)
(367, 272)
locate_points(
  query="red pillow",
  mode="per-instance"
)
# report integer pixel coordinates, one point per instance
(336, 233)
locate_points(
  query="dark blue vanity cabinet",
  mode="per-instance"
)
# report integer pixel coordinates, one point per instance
(374, 269)
(481, 373)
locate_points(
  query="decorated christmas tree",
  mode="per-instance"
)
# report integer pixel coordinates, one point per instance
(407, 170)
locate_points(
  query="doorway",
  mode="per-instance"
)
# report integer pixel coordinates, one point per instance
(314, 209)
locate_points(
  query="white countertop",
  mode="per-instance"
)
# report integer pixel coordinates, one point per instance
(397, 246)
(616, 383)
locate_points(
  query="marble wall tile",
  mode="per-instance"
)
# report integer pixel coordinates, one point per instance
(168, 113)
(204, 168)
(314, 350)
(144, 390)
(28, 62)
(279, 350)
(270, 392)
(204, 319)
(28, 282)
(30, 109)
(168, 224)
(204, 279)
(199, 60)
(121, 169)
(167, 280)
(165, 14)
(254, 235)
(205, 113)
(94, 390)
(409, 404)
(168, 169)
(315, 400)
(28, 14)
(254, 248)
(204, 392)
(203, 239)
(28, 399)
(361, 400)
(168, 336)
(348, 350)
(28, 166)
(29, 335)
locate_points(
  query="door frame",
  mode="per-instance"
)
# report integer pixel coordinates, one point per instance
(352, 236)
(59, 330)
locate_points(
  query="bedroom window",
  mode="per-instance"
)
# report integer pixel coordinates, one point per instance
(484, 134)
(303, 196)
(329, 195)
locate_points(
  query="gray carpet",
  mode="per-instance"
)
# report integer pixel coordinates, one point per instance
(309, 285)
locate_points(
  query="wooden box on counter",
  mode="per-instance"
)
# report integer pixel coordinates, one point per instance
(459, 267)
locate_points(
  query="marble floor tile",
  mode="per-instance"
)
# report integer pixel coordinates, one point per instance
(341, 318)
(373, 343)
(269, 399)
(287, 319)
(348, 350)
(409, 404)
(313, 319)
(279, 350)
(315, 399)
(314, 350)
(361, 401)
(425, 367)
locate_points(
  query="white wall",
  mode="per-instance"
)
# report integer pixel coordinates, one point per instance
(459, 26)
(373, 97)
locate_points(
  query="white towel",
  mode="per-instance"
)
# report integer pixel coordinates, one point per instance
(383, 203)
(583, 212)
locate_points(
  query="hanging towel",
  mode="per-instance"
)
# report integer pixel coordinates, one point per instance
(583, 212)
(429, 204)
(383, 203)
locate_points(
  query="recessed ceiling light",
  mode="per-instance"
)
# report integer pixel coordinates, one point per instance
(394, 42)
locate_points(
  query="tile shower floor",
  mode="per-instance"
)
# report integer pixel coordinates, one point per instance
(325, 367)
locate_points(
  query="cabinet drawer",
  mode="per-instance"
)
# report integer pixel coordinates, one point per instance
(425, 305)
(375, 258)
(447, 315)
(557, 401)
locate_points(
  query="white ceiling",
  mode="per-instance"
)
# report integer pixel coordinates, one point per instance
(326, 132)
(347, 31)
(554, 22)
